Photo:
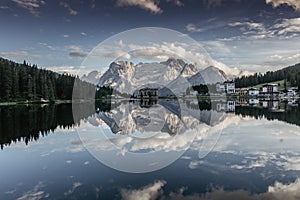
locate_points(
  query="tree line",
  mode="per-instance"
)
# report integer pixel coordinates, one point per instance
(22, 82)
(289, 74)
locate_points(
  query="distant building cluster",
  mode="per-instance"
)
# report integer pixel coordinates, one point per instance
(267, 90)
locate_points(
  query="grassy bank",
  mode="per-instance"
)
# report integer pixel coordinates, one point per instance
(280, 85)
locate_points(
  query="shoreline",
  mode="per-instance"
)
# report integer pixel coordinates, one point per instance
(229, 97)
(13, 103)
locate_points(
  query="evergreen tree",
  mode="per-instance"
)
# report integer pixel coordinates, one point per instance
(26, 82)
(288, 74)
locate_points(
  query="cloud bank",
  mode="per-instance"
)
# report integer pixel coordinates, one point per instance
(30, 5)
(290, 191)
(294, 3)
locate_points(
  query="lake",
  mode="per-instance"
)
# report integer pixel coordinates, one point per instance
(154, 149)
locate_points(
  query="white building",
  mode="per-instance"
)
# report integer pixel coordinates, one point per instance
(253, 92)
(229, 87)
(270, 89)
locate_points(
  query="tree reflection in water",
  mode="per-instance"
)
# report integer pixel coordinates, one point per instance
(29, 122)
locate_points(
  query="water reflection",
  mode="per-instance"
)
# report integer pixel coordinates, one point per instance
(253, 159)
(29, 122)
(271, 110)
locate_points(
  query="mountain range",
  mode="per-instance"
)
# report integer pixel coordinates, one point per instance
(174, 74)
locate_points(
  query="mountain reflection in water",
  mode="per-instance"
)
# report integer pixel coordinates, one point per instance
(28, 123)
(254, 158)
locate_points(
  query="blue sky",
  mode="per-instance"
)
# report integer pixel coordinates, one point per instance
(256, 35)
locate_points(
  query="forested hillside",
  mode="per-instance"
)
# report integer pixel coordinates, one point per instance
(290, 74)
(19, 82)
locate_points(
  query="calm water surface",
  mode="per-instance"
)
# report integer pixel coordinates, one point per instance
(238, 150)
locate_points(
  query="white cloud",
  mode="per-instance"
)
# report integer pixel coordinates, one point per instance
(278, 191)
(289, 191)
(263, 50)
(250, 30)
(68, 7)
(193, 28)
(35, 194)
(253, 30)
(149, 192)
(163, 142)
(295, 57)
(250, 25)
(291, 162)
(83, 33)
(207, 25)
(286, 57)
(286, 26)
(66, 35)
(195, 164)
(294, 3)
(74, 187)
(276, 57)
(31, 5)
(151, 5)
(283, 29)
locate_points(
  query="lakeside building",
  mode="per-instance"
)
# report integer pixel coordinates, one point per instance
(229, 87)
(253, 91)
(270, 89)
